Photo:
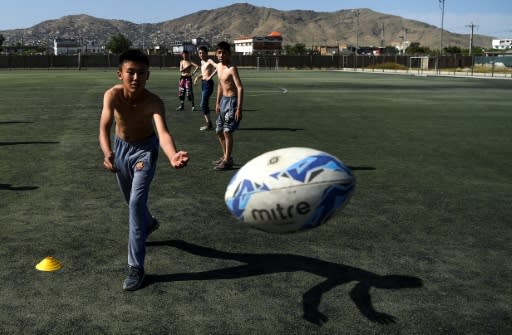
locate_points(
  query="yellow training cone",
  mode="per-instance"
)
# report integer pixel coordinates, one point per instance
(49, 264)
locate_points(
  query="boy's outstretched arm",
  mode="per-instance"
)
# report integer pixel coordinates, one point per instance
(177, 159)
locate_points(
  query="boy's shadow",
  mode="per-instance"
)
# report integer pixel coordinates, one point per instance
(261, 264)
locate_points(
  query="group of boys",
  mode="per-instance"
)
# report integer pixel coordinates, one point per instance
(141, 128)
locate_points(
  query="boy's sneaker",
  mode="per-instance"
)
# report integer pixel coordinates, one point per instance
(154, 225)
(193, 108)
(224, 165)
(134, 280)
(180, 108)
(208, 126)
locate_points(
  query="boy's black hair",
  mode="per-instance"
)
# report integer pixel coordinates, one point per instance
(203, 48)
(133, 55)
(224, 46)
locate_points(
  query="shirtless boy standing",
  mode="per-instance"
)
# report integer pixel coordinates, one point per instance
(137, 114)
(208, 70)
(185, 87)
(230, 95)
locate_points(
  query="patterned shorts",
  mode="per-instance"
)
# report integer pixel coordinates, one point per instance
(226, 118)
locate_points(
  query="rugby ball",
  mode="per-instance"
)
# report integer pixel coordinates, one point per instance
(289, 190)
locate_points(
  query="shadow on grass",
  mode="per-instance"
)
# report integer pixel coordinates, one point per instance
(262, 264)
(13, 122)
(9, 187)
(269, 129)
(27, 142)
(361, 168)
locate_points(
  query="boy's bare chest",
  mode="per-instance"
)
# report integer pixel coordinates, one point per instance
(225, 74)
(129, 113)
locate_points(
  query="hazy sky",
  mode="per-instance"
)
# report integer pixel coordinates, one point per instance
(492, 17)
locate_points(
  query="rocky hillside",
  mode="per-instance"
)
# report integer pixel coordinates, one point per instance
(297, 26)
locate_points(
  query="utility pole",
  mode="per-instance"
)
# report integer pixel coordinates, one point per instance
(441, 4)
(382, 36)
(357, 13)
(472, 26)
(406, 44)
(142, 28)
(403, 37)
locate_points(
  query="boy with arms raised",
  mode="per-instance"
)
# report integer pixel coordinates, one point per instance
(137, 114)
(230, 94)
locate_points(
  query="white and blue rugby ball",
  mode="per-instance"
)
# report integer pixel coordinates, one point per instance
(289, 189)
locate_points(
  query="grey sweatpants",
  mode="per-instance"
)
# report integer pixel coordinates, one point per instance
(136, 165)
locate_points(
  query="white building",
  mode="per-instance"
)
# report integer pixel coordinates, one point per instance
(62, 46)
(271, 44)
(502, 44)
(192, 47)
(92, 48)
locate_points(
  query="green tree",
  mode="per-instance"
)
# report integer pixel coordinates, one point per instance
(118, 44)
(2, 39)
(453, 50)
(416, 49)
(478, 51)
(296, 50)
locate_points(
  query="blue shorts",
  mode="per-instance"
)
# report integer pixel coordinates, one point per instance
(226, 118)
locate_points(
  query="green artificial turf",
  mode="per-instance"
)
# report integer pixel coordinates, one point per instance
(423, 247)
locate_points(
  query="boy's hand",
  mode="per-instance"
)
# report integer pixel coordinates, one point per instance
(238, 115)
(108, 163)
(179, 160)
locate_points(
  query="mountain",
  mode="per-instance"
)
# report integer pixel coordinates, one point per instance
(242, 19)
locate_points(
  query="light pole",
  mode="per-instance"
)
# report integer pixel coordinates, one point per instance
(441, 4)
(472, 26)
(356, 14)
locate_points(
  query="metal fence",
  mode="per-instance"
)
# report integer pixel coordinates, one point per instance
(298, 62)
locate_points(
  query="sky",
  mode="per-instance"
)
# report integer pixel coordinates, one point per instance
(490, 17)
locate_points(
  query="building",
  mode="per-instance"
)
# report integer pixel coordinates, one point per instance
(192, 47)
(272, 44)
(62, 46)
(502, 44)
(91, 47)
